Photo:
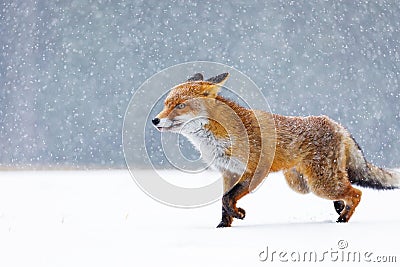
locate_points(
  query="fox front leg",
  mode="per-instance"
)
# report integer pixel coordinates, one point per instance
(229, 209)
(226, 219)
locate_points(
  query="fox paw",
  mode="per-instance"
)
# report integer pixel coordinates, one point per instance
(341, 220)
(240, 214)
(226, 220)
(223, 224)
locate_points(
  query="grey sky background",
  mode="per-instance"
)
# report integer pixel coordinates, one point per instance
(69, 68)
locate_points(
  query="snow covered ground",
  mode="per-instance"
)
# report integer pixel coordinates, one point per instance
(101, 218)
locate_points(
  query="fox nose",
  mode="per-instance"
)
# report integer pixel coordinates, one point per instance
(155, 121)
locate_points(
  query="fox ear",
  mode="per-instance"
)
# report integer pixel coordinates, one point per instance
(217, 81)
(196, 77)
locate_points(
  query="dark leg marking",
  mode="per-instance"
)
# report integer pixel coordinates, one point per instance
(339, 206)
(343, 218)
(226, 219)
(229, 209)
(229, 201)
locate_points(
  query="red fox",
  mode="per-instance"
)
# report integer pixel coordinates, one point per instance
(315, 153)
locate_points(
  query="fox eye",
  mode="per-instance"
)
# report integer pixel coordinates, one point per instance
(181, 106)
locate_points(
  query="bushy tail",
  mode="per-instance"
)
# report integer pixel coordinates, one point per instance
(374, 177)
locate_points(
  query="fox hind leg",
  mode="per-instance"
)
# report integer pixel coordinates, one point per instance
(296, 181)
(339, 206)
(351, 199)
(336, 187)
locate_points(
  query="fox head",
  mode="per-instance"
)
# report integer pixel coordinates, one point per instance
(186, 104)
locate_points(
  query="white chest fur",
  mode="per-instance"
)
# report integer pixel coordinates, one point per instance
(212, 149)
